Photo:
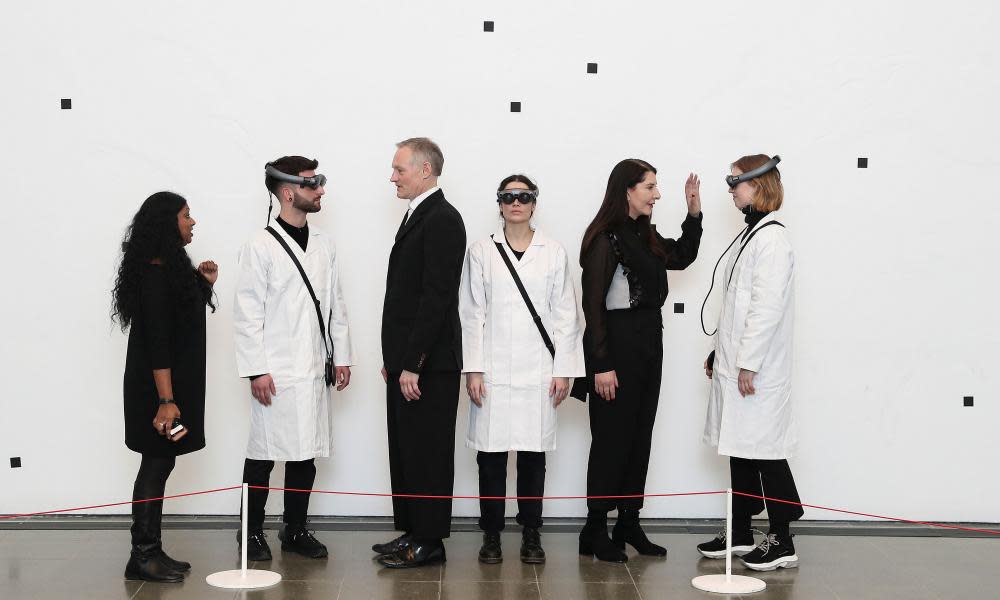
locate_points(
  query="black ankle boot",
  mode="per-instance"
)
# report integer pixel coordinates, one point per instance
(627, 530)
(531, 547)
(594, 540)
(146, 564)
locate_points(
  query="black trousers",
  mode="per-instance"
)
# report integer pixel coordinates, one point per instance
(299, 475)
(622, 430)
(150, 482)
(771, 478)
(493, 482)
(422, 453)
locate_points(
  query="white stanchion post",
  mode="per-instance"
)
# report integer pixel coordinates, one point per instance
(729, 535)
(728, 583)
(245, 503)
(243, 578)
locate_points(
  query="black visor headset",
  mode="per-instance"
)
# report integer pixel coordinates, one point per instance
(310, 182)
(523, 196)
(734, 180)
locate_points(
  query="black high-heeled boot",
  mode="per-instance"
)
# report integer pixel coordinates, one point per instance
(627, 530)
(594, 540)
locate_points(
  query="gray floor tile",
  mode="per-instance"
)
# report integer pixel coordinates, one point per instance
(490, 590)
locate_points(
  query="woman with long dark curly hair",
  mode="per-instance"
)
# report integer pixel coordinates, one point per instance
(160, 298)
(625, 263)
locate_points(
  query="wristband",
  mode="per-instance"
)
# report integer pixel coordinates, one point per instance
(166, 401)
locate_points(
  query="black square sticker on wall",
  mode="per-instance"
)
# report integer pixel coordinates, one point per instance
(66, 103)
(678, 307)
(488, 26)
(591, 67)
(967, 401)
(515, 107)
(15, 462)
(862, 163)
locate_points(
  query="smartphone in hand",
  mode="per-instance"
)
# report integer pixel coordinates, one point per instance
(177, 431)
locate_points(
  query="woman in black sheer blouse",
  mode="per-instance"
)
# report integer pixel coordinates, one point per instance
(625, 263)
(160, 297)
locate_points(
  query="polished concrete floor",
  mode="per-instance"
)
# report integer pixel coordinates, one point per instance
(81, 564)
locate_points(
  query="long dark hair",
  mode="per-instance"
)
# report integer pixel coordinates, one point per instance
(614, 210)
(153, 234)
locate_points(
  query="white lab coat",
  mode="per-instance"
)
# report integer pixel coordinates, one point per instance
(500, 340)
(277, 332)
(755, 333)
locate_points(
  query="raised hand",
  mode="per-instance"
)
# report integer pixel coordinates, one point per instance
(210, 271)
(692, 194)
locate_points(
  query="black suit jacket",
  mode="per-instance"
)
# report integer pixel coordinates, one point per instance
(421, 330)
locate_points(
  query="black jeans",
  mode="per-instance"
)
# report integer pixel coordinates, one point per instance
(299, 475)
(150, 482)
(493, 482)
(771, 478)
(622, 430)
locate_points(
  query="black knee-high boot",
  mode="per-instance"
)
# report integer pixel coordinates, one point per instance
(148, 562)
(594, 540)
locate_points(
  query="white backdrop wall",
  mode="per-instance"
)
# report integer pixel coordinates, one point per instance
(896, 322)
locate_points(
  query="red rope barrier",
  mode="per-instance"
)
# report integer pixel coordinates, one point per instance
(443, 497)
(861, 514)
(476, 497)
(62, 510)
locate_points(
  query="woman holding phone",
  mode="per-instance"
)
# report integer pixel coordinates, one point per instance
(160, 298)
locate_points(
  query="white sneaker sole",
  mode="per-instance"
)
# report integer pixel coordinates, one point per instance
(737, 551)
(785, 562)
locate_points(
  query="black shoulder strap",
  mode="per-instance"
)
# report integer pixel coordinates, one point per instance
(527, 300)
(305, 279)
(744, 245)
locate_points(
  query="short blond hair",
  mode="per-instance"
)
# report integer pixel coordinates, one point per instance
(424, 150)
(768, 194)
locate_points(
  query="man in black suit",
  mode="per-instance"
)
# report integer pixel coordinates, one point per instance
(422, 356)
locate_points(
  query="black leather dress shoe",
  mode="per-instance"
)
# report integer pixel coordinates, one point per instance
(415, 554)
(392, 546)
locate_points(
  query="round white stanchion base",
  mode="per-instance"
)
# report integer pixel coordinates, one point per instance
(234, 580)
(736, 584)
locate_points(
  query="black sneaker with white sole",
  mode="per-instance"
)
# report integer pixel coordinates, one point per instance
(257, 548)
(773, 553)
(716, 548)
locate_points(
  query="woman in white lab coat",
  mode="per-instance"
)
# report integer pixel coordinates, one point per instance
(750, 407)
(514, 381)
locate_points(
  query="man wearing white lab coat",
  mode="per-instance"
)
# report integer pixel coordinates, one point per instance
(750, 417)
(284, 349)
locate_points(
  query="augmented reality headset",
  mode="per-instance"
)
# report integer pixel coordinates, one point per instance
(310, 182)
(523, 196)
(734, 180)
